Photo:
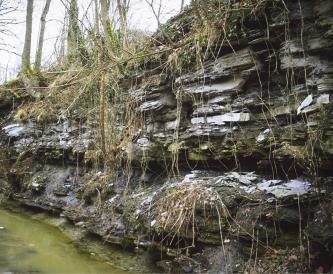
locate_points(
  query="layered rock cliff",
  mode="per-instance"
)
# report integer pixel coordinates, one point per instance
(223, 144)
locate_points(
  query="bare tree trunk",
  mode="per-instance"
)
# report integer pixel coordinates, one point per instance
(75, 47)
(110, 37)
(156, 12)
(182, 5)
(100, 51)
(38, 59)
(27, 41)
(72, 38)
(61, 56)
(105, 8)
(122, 6)
(156, 9)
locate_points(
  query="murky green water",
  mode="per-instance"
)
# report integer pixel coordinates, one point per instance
(29, 246)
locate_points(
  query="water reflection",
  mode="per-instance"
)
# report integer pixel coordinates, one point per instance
(28, 246)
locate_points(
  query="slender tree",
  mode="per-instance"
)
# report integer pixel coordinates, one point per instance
(6, 19)
(73, 38)
(38, 59)
(100, 50)
(105, 8)
(122, 7)
(182, 5)
(156, 11)
(110, 35)
(27, 41)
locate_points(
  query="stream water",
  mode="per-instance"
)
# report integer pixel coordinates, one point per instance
(29, 246)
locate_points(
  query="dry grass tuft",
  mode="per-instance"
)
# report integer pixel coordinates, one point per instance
(176, 211)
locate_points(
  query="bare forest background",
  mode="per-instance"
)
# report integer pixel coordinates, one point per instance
(51, 20)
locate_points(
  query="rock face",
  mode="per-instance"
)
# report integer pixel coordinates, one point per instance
(232, 161)
(233, 107)
(269, 99)
(55, 141)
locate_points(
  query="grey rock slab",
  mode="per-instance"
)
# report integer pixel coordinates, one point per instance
(306, 102)
(164, 100)
(171, 125)
(215, 89)
(17, 130)
(219, 99)
(292, 46)
(325, 83)
(279, 189)
(244, 178)
(213, 120)
(227, 65)
(143, 142)
(289, 61)
(206, 130)
(209, 109)
(263, 135)
(323, 99)
(151, 105)
(253, 183)
(221, 119)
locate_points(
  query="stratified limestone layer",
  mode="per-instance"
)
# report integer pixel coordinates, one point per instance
(264, 102)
